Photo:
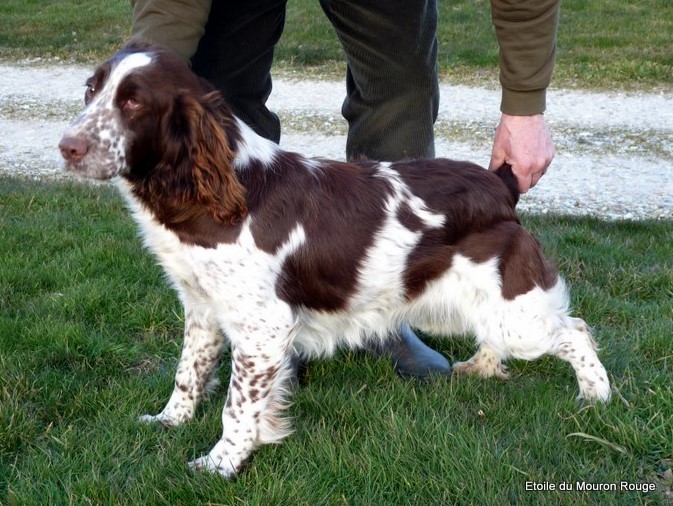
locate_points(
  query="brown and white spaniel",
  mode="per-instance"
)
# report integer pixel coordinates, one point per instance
(278, 253)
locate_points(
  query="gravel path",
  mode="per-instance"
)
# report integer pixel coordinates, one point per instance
(614, 150)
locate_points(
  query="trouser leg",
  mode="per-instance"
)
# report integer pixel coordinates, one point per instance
(236, 53)
(392, 88)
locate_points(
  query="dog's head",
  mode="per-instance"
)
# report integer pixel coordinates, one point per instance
(151, 120)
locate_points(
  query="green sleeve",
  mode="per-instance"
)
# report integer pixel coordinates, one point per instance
(178, 25)
(526, 31)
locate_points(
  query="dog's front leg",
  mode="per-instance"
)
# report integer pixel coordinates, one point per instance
(261, 351)
(200, 354)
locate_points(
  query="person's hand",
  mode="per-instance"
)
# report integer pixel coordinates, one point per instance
(524, 142)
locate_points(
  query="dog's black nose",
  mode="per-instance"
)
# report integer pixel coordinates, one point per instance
(73, 149)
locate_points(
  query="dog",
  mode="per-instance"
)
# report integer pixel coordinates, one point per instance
(278, 253)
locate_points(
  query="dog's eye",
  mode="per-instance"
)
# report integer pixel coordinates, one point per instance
(131, 104)
(89, 92)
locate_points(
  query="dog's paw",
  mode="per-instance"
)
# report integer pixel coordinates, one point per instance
(595, 389)
(208, 464)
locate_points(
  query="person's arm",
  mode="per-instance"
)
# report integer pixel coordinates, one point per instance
(526, 31)
(176, 24)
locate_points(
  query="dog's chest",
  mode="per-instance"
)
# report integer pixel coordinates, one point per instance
(228, 271)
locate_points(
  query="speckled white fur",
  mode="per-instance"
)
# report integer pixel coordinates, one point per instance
(101, 123)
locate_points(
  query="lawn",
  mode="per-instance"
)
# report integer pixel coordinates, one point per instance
(90, 335)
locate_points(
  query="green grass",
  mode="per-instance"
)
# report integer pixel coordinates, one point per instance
(601, 43)
(71, 29)
(90, 335)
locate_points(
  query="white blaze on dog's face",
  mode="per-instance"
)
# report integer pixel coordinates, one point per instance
(96, 144)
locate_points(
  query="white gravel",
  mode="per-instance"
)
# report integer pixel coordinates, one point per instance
(614, 150)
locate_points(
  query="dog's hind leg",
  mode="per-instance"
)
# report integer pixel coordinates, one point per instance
(575, 344)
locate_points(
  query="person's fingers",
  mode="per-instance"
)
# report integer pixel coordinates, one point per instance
(498, 158)
(524, 177)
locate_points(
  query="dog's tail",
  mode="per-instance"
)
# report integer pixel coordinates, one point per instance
(504, 172)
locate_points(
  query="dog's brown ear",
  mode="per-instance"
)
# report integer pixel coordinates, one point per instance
(211, 157)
